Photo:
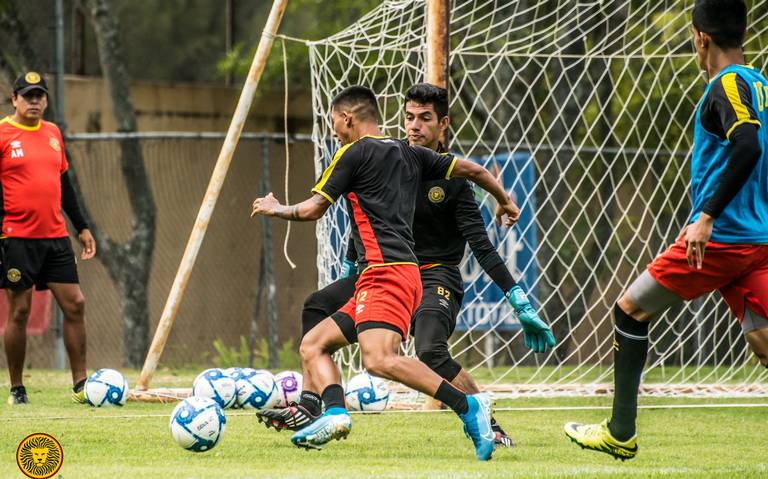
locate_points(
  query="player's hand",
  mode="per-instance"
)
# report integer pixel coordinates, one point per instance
(696, 237)
(536, 334)
(88, 244)
(510, 209)
(265, 206)
(347, 267)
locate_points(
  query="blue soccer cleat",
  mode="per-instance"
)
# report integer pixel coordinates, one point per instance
(335, 423)
(477, 425)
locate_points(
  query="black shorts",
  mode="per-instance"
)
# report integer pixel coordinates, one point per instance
(440, 293)
(36, 262)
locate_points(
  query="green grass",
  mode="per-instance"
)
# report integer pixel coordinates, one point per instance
(134, 442)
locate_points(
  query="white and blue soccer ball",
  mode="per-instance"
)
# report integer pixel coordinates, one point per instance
(289, 387)
(106, 387)
(366, 393)
(216, 385)
(234, 373)
(197, 424)
(256, 389)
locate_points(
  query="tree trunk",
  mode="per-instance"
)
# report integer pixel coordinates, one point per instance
(129, 263)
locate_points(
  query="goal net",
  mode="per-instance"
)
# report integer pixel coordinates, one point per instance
(584, 110)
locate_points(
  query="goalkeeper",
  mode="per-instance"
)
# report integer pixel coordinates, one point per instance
(446, 219)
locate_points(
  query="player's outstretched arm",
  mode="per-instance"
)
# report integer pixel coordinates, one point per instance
(536, 333)
(483, 178)
(308, 210)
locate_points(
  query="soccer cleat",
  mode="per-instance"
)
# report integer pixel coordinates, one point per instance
(78, 392)
(598, 437)
(18, 396)
(500, 437)
(335, 423)
(477, 425)
(293, 417)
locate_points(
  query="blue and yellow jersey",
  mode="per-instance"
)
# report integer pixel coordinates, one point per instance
(737, 95)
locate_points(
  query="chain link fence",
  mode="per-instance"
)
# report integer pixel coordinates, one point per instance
(220, 320)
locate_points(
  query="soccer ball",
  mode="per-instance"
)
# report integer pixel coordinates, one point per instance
(366, 393)
(234, 373)
(197, 424)
(214, 384)
(257, 390)
(106, 387)
(288, 387)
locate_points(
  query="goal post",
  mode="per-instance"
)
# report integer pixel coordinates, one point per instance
(212, 194)
(584, 110)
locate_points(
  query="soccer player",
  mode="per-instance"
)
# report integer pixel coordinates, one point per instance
(380, 178)
(36, 250)
(725, 246)
(446, 219)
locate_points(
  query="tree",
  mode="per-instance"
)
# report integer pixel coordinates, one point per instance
(128, 263)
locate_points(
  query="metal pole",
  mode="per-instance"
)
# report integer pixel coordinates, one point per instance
(229, 34)
(58, 315)
(267, 255)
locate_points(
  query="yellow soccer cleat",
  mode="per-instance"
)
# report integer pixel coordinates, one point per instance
(598, 437)
(79, 397)
(78, 392)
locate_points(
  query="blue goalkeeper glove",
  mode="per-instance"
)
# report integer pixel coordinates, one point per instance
(348, 267)
(536, 334)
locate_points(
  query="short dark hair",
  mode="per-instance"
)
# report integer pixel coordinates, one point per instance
(428, 94)
(724, 20)
(360, 100)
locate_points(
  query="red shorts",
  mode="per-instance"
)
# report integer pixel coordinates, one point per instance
(385, 297)
(738, 271)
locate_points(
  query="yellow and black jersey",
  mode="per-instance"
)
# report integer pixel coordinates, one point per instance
(380, 178)
(727, 104)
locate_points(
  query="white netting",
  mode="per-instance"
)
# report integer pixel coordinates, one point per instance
(585, 110)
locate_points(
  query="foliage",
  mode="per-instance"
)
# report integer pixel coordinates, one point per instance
(305, 19)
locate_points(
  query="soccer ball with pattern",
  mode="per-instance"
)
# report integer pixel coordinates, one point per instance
(106, 387)
(256, 389)
(197, 424)
(366, 393)
(289, 387)
(214, 384)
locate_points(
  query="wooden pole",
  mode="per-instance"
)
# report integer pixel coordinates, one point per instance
(212, 194)
(438, 43)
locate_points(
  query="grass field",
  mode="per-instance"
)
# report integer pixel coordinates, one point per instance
(134, 441)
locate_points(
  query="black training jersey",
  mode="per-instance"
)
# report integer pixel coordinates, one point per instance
(447, 218)
(381, 178)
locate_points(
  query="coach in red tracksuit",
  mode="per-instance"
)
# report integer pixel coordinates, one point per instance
(34, 244)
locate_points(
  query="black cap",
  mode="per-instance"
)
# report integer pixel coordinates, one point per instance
(28, 82)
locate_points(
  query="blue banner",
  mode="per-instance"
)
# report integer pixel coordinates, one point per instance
(484, 304)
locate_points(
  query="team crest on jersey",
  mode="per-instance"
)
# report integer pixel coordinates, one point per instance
(16, 150)
(54, 144)
(436, 194)
(14, 275)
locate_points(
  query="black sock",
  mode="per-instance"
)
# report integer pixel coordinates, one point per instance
(630, 348)
(312, 402)
(18, 388)
(495, 426)
(79, 386)
(333, 396)
(452, 397)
